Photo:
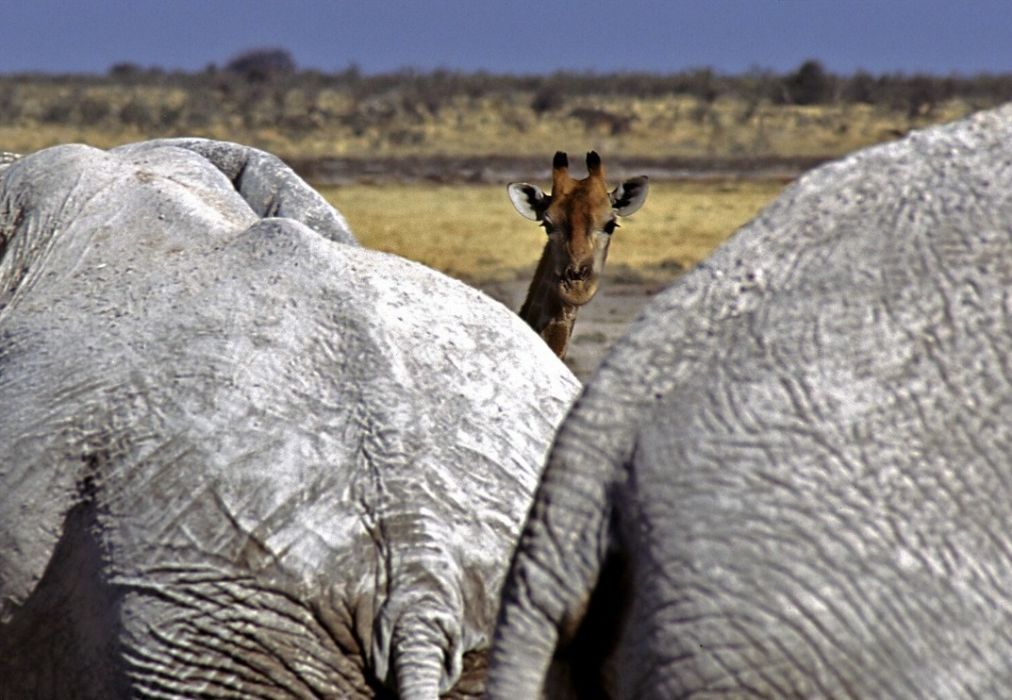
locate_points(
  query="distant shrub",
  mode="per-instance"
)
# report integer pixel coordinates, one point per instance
(702, 84)
(258, 65)
(922, 94)
(547, 99)
(93, 109)
(201, 110)
(169, 117)
(10, 105)
(137, 114)
(602, 120)
(860, 87)
(405, 137)
(59, 111)
(810, 84)
(119, 71)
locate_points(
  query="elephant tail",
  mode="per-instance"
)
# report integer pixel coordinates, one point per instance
(562, 562)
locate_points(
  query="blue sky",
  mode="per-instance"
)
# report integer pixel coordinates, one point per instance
(939, 36)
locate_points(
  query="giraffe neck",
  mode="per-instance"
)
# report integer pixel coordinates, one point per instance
(544, 311)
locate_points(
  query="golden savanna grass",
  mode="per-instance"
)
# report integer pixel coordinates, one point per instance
(473, 232)
(675, 126)
(298, 122)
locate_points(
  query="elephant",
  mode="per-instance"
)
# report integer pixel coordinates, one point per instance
(792, 477)
(240, 454)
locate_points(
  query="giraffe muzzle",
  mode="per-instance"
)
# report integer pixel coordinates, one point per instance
(577, 273)
(578, 288)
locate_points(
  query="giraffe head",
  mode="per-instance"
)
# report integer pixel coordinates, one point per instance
(579, 217)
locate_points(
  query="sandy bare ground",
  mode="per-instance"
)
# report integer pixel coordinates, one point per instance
(599, 324)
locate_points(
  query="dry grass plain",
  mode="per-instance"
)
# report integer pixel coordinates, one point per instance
(472, 231)
(297, 118)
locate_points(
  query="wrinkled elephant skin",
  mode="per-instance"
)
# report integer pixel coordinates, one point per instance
(793, 476)
(240, 455)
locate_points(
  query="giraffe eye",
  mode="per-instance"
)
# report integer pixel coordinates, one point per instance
(547, 224)
(610, 227)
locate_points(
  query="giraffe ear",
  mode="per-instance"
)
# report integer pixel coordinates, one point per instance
(629, 196)
(529, 200)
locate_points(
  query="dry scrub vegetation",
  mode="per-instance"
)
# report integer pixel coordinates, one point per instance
(707, 120)
(261, 99)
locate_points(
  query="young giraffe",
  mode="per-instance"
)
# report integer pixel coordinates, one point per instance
(579, 217)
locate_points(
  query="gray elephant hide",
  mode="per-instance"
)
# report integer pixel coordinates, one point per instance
(238, 458)
(793, 476)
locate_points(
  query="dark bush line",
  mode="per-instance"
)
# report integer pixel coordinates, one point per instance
(810, 83)
(253, 87)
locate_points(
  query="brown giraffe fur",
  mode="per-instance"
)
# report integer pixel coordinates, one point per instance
(579, 217)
